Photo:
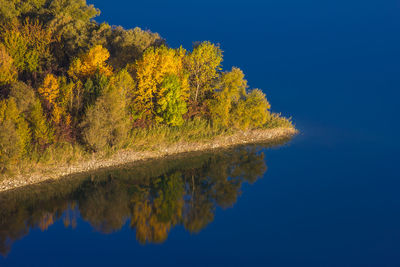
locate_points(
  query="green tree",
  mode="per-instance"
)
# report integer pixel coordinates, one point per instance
(171, 104)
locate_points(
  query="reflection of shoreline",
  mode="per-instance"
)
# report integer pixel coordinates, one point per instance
(124, 157)
(153, 197)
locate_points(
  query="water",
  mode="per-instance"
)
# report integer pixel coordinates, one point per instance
(328, 198)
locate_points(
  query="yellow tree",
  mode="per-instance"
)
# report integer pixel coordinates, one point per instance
(91, 62)
(7, 71)
(232, 87)
(50, 92)
(251, 112)
(28, 44)
(150, 70)
(203, 65)
(15, 135)
(50, 89)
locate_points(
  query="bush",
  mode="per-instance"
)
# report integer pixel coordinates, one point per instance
(277, 121)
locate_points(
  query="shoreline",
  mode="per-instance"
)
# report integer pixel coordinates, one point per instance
(123, 157)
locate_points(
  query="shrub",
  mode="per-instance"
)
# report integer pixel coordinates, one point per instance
(277, 121)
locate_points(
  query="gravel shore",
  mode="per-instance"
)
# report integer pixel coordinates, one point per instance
(129, 156)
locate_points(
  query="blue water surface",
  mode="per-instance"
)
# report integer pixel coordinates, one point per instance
(331, 196)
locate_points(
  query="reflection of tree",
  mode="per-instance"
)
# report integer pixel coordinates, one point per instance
(105, 204)
(159, 209)
(153, 200)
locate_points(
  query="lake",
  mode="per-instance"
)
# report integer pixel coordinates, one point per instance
(328, 197)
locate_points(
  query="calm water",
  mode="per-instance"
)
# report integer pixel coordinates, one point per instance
(328, 198)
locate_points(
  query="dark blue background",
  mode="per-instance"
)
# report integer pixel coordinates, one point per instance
(330, 198)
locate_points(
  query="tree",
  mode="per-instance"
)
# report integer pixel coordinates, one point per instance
(171, 105)
(90, 63)
(105, 124)
(50, 92)
(8, 72)
(42, 133)
(150, 71)
(24, 96)
(203, 65)
(124, 84)
(232, 87)
(251, 112)
(126, 46)
(10, 9)
(28, 43)
(14, 134)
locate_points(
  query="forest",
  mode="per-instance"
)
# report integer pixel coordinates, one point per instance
(70, 87)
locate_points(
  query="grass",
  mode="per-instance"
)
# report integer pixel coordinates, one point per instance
(196, 131)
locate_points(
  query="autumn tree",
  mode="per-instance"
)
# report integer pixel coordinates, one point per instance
(28, 43)
(24, 96)
(126, 46)
(251, 112)
(150, 71)
(232, 87)
(90, 63)
(203, 65)
(71, 21)
(10, 9)
(31, 109)
(8, 72)
(42, 132)
(14, 134)
(50, 92)
(106, 124)
(49, 89)
(171, 105)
